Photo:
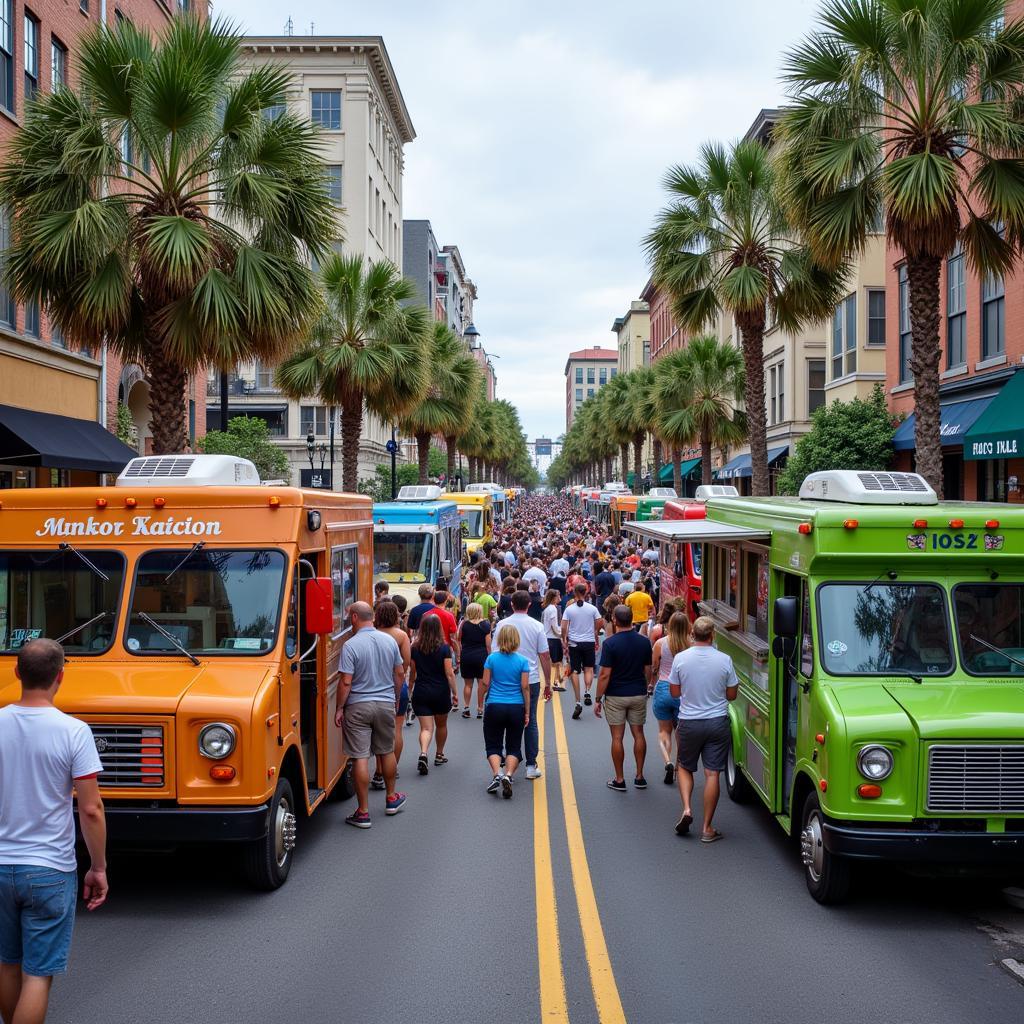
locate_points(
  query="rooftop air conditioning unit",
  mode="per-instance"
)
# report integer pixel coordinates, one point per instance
(662, 492)
(868, 488)
(419, 492)
(189, 471)
(706, 491)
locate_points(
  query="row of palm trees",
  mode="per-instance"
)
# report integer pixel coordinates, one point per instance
(907, 112)
(176, 210)
(687, 398)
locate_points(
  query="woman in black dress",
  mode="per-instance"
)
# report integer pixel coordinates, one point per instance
(432, 688)
(475, 644)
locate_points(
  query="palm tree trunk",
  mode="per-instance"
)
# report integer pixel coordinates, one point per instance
(423, 454)
(658, 455)
(450, 468)
(677, 471)
(923, 284)
(624, 461)
(472, 469)
(638, 456)
(351, 430)
(168, 421)
(751, 327)
(705, 456)
(607, 467)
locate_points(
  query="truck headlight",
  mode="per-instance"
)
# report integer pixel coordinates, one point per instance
(216, 740)
(875, 763)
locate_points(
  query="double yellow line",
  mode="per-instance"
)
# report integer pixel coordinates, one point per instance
(553, 1003)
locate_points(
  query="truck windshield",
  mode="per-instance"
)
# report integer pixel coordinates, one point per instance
(990, 619)
(403, 557)
(472, 520)
(57, 595)
(884, 628)
(215, 602)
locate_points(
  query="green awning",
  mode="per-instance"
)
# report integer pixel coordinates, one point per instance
(687, 467)
(998, 433)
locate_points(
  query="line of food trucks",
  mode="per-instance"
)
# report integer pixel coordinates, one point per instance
(877, 634)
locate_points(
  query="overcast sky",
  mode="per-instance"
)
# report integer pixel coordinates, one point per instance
(543, 132)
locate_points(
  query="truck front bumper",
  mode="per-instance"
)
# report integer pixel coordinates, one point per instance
(970, 849)
(174, 824)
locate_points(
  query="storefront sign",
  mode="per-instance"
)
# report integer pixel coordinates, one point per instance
(999, 449)
(141, 526)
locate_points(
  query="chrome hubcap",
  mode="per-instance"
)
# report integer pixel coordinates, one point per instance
(284, 832)
(812, 850)
(730, 769)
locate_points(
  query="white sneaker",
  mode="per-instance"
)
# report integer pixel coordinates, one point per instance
(495, 784)
(532, 771)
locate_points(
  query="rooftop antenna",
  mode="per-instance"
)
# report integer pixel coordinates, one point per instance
(289, 26)
(312, 28)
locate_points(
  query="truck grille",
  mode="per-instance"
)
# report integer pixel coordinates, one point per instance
(976, 778)
(132, 755)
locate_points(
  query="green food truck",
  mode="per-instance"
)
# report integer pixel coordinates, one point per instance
(878, 636)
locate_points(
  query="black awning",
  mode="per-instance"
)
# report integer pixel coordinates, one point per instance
(60, 442)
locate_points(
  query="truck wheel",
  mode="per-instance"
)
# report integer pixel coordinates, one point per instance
(344, 788)
(268, 860)
(827, 876)
(736, 783)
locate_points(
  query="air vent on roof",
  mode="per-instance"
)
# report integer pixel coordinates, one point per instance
(165, 467)
(662, 492)
(189, 471)
(862, 488)
(706, 491)
(419, 492)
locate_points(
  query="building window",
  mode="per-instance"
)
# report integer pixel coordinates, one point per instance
(844, 338)
(264, 377)
(612, 372)
(815, 384)
(58, 340)
(8, 310)
(83, 6)
(32, 318)
(590, 392)
(906, 338)
(31, 56)
(602, 376)
(876, 316)
(775, 410)
(326, 108)
(590, 375)
(313, 419)
(274, 111)
(579, 374)
(993, 326)
(7, 54)
(579, 394)
(58, 64)
(334, 182)
(184, 5)
(956, 310)
(992, 480)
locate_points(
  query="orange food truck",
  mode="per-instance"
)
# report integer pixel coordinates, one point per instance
(202, 616)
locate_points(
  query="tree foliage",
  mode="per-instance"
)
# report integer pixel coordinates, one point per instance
(844, 435)
(248, 437)
(378, 487)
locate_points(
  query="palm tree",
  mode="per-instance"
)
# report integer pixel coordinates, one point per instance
(914, 109)
(725, 244)
(446, 403)
(697, 390)
(367, 352)
(158, 210)
(641, 407)
(617, 417)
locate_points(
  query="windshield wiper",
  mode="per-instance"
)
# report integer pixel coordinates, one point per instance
(891, 573)
(84, 625)
(168, 635)
(998, 650)
(64, 546)
(198, 546)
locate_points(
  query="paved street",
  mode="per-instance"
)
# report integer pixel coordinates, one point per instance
(433, 916)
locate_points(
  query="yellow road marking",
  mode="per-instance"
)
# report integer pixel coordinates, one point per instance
(602, 977)
(553, 1007)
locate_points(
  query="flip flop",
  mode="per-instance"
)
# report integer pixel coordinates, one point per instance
(683, 825)
(710, 837)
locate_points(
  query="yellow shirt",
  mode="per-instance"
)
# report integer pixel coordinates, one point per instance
(641, 605)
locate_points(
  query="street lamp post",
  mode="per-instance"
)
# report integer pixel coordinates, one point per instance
(393, 449)
(322, 452)
(311, 452)
(333, 413)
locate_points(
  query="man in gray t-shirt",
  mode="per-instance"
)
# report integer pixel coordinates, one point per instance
(705, 681)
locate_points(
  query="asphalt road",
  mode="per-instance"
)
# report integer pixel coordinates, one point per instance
(432, 916)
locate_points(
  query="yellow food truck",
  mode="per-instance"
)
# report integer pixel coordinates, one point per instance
(202, 616)
(477, 514)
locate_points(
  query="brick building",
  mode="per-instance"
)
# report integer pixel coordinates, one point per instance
(56, 397)
(587, 371)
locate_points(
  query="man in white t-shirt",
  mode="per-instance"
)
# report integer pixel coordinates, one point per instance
(560, 564)
(44, 755)
(533, 646)
(536, 572)
(581, 627)
(705, 681)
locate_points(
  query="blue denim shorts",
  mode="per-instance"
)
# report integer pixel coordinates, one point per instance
(37, 915)
(403, 701)
(664, 705)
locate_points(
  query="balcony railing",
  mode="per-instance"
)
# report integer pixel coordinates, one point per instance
(239, 386)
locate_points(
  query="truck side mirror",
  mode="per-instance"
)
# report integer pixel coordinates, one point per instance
(785, 617)
(318, 610)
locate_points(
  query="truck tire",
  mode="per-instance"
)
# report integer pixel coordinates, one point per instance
(344, 788)
(736, 783)
(267, 861)
(828, 877)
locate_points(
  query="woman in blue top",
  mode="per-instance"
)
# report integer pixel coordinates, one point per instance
(506, 689)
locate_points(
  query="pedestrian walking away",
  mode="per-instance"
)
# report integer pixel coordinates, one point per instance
(506, 686)
(387, 619)
(676, 638)
(432, 690)
(581, 629)
(622, 691)
(372, 673)
(705, 681)
(45, 755)
(475, 640)
(534, 647)
(552, 621)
